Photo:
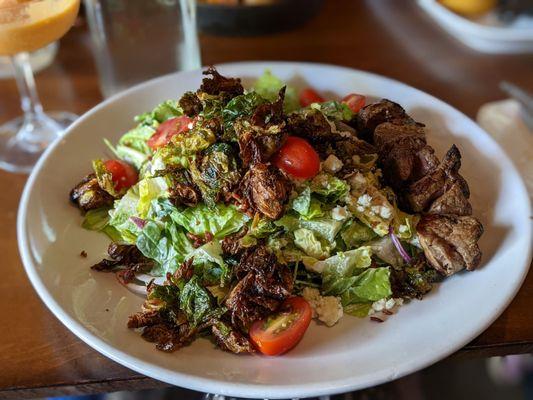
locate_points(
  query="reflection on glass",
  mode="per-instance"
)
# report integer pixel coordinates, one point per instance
(28, 25)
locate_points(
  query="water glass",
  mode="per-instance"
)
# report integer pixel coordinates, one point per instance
(135, 40)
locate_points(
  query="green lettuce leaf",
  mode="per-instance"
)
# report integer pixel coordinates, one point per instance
(269, 85)
(356, 233)
(163, 111)
(334, 110)
(358, 309)
(371, 285)
(120, 215)
(149, 190)
(329, 187)
(168, 247)
(326, 228)
(220, 220)
(98, 220)
(310, 244)
(209, 264)
(306, 205)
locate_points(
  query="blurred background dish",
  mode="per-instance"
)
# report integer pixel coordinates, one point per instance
(490, 26)
(254, 17)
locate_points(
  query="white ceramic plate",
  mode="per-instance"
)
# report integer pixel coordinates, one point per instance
(354, 354)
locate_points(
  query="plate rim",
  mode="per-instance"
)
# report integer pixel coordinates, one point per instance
(247, 390)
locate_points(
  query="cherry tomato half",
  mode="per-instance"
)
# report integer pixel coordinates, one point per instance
(354, 101)
(166, 130)
(283, 330)
(298, 158)
(124, 175)
(309, 96)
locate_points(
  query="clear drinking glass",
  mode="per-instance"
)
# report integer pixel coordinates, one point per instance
(135, 40)
(28, 25)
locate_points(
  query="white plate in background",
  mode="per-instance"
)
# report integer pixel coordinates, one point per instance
(354, 354)
(484, 34)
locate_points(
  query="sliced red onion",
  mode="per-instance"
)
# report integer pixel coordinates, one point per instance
(399, 247)
(138, 221)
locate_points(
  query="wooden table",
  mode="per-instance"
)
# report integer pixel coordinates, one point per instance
(39, 356)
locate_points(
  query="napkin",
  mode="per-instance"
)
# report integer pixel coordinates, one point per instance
(503, 121)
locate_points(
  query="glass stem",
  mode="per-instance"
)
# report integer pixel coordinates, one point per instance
(29, 100)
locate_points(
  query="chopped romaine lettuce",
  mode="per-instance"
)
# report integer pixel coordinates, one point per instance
(149, 190)
(220, 220)
(98, 220)
(307, 206)
(269, 85)
(329, 187)
(123, 209)
(209, 264)
(163, 111)
(334, 110)
(355, 233)
(371, 285)
(168, 247)
(306, 240)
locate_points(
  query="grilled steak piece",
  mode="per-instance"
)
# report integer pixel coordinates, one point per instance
(450, 242)
(444, 184)
(374, 114)
(404, 154)
(88, 195)
(266, 190)
(263, 285)
(312, 126)
(453, 201)
(388, 135)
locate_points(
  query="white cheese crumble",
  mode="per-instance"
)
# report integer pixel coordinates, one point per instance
(385, 304)
(403, 228)
(340, 213)
(364, 200)
(327, 309)
(190, 125)
(332, 164)
(385, 212)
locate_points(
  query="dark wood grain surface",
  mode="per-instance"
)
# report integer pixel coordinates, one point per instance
(39, 356)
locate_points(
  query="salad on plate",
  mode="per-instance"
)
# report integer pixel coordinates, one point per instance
(247, 213)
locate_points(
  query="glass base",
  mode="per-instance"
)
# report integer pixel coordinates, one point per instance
(23, 140)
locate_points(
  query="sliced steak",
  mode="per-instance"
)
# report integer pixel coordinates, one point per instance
(374, 114)
(450, 242)
(444, 185)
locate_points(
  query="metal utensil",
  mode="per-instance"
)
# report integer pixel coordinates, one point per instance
(524, 98)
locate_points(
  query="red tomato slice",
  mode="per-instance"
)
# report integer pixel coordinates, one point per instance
(309, 96)
(123, 175)
(283, 330)
(298, 158)
(354, 101)
(166, 130)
